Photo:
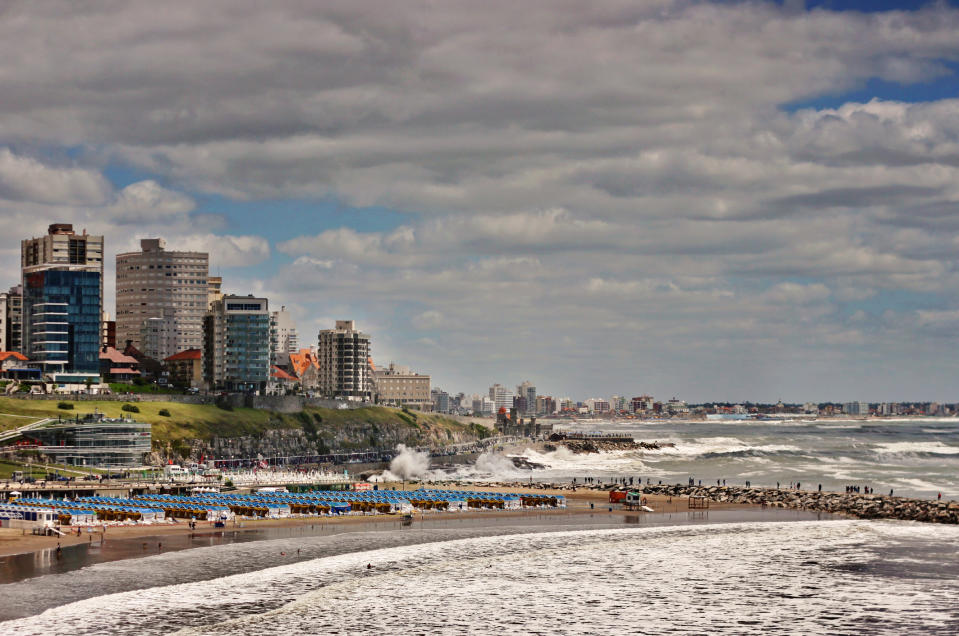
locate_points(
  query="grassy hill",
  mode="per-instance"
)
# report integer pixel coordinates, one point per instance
(201, 421)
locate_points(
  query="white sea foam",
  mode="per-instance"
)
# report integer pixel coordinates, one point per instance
(935, 448)
(800, 577)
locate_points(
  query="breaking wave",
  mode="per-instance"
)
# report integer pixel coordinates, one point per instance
(817, 577)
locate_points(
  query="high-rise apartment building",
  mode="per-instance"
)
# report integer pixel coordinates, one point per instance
(528, 390)
(283, 338)
(62, 300)
(501, 397)
(11, 319)
(236, 355)
(855, 408)
(344, 356)
(162, 297)
(441, 400)
(214, 290)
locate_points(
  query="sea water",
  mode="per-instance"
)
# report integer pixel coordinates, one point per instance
(916, 457)
(808, 577)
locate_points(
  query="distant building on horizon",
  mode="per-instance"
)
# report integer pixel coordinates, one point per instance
(62, 281)
(162, 298)
(501, 397)
(441, 400)
(855, 408)
(527, 390)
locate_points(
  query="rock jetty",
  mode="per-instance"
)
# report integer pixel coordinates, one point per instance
(852, 504)
(605, 445)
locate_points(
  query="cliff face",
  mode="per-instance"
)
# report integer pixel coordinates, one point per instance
(316, 431)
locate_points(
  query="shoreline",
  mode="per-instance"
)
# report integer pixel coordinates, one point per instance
(664, 498)
(24, 557)
(16, 542)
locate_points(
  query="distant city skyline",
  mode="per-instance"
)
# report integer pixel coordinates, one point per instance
(718, 201)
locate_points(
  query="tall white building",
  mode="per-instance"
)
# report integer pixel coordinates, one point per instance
(501, 397)
(344, 357)
(855, 408)
(172, 286)
(283, 338)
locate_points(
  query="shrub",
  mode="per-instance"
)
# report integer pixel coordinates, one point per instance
(66, 406)
(130, 408)
(164, 413)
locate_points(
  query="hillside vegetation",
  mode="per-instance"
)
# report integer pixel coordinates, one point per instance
(187, 422)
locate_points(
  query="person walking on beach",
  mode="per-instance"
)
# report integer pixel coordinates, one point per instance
(820, 487)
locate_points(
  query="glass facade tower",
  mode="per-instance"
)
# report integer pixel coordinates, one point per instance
(62, 300)
(62, 320)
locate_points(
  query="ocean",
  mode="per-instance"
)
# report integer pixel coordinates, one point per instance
(741, 572)
(915, 457)
(792, 577)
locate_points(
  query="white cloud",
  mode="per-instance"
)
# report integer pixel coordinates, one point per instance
(148, 202)
(27, 179)
(609, 173)
(796, 293)
(227, 250)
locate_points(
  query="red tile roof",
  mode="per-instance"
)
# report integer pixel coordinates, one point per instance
(16, 355)
(280, 374)
(188, 354)
(303, 360)
(116, 357)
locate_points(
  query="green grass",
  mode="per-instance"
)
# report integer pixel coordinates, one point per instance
(8, 422)
(40, 470)
(203, 421)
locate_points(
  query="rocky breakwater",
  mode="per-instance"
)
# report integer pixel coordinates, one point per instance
(604, 446)
(851, 504)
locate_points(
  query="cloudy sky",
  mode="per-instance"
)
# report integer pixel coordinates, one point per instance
(728, 200)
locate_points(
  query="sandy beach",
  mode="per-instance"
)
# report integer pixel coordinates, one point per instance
(23, 555)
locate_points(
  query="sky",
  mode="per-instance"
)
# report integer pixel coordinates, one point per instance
(710, 200)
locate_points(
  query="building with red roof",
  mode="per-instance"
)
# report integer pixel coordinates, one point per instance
(117, 366)
(185, 369)
(12, 360)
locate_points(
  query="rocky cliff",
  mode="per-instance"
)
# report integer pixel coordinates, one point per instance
(316, 431)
